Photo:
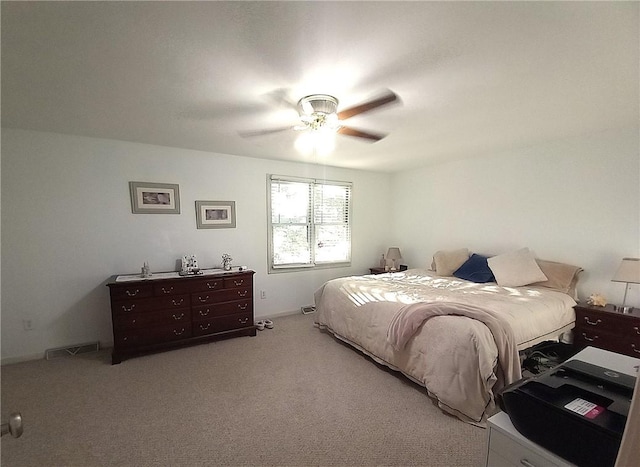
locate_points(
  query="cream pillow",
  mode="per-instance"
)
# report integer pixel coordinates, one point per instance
(516, 268)
(560, 276)
(445, 262)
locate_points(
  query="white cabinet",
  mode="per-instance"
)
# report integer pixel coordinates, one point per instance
(506, 447)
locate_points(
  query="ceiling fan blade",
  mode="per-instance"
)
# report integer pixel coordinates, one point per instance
(281, 98)
(387, 98)
(251, 133)
(345, 130)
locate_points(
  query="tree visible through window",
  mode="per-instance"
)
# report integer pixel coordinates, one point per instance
(309, 223)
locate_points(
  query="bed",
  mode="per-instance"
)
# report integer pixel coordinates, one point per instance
(459, 338)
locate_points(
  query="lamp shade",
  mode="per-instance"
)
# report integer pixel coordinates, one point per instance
(393, 253)
(629, 271)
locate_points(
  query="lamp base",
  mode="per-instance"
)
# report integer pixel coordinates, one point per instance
(623, 309)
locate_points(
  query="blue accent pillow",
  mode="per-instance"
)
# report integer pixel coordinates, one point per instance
(475, 269)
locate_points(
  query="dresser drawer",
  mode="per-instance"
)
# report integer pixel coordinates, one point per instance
(157, 318)
(205, 298)
(171, 288)
(222, 323)
(151, 335)
(238, 281)
(205, 284)
(206, 312)
(131, 291)
(151, 304)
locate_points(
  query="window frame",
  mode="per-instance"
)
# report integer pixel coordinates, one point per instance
(313, 264)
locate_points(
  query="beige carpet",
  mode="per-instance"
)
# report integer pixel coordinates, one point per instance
(292, 395)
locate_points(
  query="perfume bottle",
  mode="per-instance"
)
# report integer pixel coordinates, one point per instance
(383, 262)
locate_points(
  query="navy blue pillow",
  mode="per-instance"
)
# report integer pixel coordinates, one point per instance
(475, 269)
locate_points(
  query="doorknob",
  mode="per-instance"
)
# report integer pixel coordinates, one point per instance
(14, 427)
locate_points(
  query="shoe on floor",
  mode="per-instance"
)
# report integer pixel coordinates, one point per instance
(268, 324)
(260, 325)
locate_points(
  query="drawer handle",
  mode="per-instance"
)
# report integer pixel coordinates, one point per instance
(125, 338)
(204, 313)
(169, 290)
(240, 282)
(243, 320)
(637, 330)
(592, 323)
(590, 339)
(204, 328)
(177, 318)
(203, 299)
(243, 293)
(526, 463)
(133, 294)
(212, 286)
(243, 306)
(133, 321)
(124, 308)
(178, 333)
(633, 347)
(177, 303)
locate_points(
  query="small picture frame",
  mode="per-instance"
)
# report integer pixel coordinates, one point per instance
(154, 198)
(216, 214)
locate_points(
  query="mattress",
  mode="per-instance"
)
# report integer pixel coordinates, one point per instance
(454, 357)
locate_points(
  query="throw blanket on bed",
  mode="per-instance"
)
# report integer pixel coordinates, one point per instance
(409, 318)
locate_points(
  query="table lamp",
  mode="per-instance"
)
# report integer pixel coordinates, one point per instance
(394, 254)
(629, 273)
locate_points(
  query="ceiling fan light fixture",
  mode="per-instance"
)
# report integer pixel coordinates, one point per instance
(318, 103)
(319, 112)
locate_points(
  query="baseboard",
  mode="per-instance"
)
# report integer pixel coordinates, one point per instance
(279, 314)
(40, 356)
(21, 359)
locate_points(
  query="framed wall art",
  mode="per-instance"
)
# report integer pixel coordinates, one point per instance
(154, 198)
(216, 214)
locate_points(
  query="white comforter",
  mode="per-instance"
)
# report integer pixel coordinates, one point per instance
(454, 357)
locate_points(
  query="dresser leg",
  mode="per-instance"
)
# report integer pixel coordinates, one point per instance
(115, 359)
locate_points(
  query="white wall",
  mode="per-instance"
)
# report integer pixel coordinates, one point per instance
(67, 223)
(576, 201)
(67, 226)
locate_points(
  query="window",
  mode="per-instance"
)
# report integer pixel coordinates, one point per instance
(309, 223)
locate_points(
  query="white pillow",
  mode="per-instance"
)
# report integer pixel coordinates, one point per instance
(516, 268)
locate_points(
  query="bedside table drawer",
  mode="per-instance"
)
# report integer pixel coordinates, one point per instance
(595, 321)
(584, 337)
(608, 329)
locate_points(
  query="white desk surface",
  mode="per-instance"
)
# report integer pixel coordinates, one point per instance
(611, 360)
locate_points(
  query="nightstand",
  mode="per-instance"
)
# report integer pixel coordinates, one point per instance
(605, 328)
(377, 270)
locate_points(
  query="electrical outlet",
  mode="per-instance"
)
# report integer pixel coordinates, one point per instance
(263, 294)
(27, 324)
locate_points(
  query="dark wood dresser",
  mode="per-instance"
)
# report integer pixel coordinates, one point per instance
(162, 313)
(605, 328)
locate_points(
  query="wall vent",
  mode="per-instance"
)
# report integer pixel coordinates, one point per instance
(308, 309)
(72, 350)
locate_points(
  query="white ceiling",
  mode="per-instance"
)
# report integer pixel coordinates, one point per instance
(474, 78)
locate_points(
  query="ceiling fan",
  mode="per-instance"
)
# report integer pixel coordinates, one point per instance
(319, 112)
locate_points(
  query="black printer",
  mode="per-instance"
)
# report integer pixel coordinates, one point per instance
(576, 410)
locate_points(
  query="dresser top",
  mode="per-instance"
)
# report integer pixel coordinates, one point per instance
(172, 275)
